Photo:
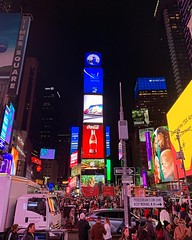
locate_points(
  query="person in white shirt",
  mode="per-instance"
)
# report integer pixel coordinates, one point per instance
(107, 226)
(164, 215)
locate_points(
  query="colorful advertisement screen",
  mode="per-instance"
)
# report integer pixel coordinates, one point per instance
(5, 123)
(92, 164)
(9, 30)
(179, 118)
(47, 153)
(15, 155)
(93, 144)
(6, 163)
(92, 180)
(142, 132)
(107, 140)
(93, 80)
(93, 109)
(140, 116)
(74, 139)
(163, 163)
(93, 59)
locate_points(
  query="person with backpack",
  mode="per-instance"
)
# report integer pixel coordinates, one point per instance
(12, 235)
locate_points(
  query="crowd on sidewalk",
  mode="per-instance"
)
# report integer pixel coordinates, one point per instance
(174, 221)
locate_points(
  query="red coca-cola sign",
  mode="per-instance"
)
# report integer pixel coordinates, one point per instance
(93, 144)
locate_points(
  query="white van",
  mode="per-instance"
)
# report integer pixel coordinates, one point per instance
(41, 209)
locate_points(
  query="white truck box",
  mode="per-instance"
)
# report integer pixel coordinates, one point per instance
(11, 188)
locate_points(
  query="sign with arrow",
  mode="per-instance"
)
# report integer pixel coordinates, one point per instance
(146, 202)
(119, 170)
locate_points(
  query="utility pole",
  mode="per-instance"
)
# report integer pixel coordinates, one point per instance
(180, 155)
(123, 136)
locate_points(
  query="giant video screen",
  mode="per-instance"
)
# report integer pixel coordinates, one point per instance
(93, 141)
(93, 109)
(92, 164)
(179, 119)
(140, 116)
(93, 80)
(92, 180)
(163, 161)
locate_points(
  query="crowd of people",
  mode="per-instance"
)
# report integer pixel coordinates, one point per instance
(173, 222)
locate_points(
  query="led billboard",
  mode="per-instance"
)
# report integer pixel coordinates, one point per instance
(150, 84)
(9, 30)
(7, 124)
(93, 59)
(92, 164)
(6, 164)
(74, 139)
(93, 109)
(140, 116)
(148, 149)
(92, 180)
(142, 133)
(10, 123)
(74, 159)
(47, 153)
(15, 155)
(179, 118)
(162, 156)
(107, 141)
(93, 80)
(93, 144)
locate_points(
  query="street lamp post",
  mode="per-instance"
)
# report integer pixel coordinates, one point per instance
(123, 136)
(181, 156)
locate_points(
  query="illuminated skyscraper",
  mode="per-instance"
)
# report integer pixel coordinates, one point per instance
(173, 17)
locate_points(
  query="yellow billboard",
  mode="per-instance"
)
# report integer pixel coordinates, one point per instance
(179, 120)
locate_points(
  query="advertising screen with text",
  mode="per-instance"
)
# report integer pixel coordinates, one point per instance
(179, 118)
(93, 144)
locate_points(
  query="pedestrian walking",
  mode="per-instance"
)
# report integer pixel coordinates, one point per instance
(164, 215)
(98, 230)
(29, 234)
(181, 231)
(83, 228)
(150, 228)
(125, 234)
(167, 230)
(12, 235)
(159, 231)
(107, 226)
(142, 232)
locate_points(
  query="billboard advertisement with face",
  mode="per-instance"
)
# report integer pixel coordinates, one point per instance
(162, 158)
(179, 120)
(93, 141)
(93, 109)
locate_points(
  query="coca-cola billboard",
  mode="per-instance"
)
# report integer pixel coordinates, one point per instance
(93, 144)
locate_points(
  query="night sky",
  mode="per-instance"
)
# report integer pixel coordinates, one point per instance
(124, 32)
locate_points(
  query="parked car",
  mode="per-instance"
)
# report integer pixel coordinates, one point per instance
(115, 216)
